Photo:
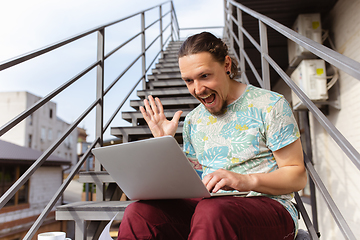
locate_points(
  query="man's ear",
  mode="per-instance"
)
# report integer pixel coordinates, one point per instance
(227, 63)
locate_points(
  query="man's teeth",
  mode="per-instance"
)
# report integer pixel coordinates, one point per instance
(206, 96)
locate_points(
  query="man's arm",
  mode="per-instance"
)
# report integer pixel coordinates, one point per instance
(290, 177)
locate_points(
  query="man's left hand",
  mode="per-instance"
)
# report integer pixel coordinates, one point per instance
(228, 181)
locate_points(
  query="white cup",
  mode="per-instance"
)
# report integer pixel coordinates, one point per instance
(53, 236)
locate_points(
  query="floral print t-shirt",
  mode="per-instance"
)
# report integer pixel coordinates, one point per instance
(243, 139)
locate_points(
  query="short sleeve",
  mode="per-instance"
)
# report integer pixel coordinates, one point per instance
(187, 146)
(188, 149)
(281, 126)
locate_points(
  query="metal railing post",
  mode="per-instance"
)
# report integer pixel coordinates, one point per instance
(161, 29)
(225, 35)
(241, 44)
(100, 105)
(305, 119)
(143, 60)
(172, 22)
(264, 51)
(231, 37)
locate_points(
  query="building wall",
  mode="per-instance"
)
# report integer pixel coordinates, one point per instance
(43, 185)
(44, 130)
(338, 173)
(11, 104)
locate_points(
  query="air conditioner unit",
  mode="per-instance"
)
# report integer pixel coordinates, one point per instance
(310, 77)
(308, 25)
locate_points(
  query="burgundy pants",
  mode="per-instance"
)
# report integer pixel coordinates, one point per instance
(259, 218)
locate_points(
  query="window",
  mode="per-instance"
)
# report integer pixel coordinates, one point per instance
(30, 119)
(50, 134)
(9, 173)
(70, 141)
(30, 141)
(43, 134)
(51, 113)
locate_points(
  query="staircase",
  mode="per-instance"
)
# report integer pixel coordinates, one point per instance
(165, 83)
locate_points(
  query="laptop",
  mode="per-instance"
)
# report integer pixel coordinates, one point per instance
(154, 168)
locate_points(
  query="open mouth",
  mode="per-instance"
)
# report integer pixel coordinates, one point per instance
(209, 99)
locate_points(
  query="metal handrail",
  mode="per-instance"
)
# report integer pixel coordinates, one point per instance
(348, 65)
(30, 55)
(96, 104)
(59, 192)
(335, 212)
(340, 61)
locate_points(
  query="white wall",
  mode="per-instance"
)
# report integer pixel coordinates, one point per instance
(42, 187)
(338, 173)
(13, 103)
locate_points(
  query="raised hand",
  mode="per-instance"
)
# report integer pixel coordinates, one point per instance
(154, 116)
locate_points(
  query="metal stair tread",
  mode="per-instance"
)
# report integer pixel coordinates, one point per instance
(136, 116)
(165, 70)
(167, 65)
(168, 60)
(173, 75)
(94, 211)
(163, 92)
(95, 176)
(166, 83)
(168, 101)
(140, 131)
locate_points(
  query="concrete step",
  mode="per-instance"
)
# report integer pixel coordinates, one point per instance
(136, 118)
(165, 84)
(171, 103)
(163, 92)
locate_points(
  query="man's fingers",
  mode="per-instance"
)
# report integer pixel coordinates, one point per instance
(210, 181)
(153, 105)
(219, 185)
(144, 113)
(177, 116)
(159, 105)
(149, 111)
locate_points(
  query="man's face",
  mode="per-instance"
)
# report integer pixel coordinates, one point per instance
(206, 79)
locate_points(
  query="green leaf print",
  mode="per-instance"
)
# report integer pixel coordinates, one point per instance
(251, 118)
(242, 140)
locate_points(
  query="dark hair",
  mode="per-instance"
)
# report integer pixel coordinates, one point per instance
(207, 42)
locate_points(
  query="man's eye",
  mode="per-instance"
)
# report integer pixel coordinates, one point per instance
(188, 80)
(204, 75)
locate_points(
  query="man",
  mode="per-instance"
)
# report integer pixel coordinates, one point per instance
(244, 138)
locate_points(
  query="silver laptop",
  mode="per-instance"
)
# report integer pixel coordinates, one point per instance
(154, 168)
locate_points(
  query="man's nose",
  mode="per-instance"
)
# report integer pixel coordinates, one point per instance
(198, 87)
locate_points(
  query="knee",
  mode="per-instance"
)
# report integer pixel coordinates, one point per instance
(211, 210)
(137, 209)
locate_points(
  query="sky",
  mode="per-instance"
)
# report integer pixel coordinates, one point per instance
(27, 25)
